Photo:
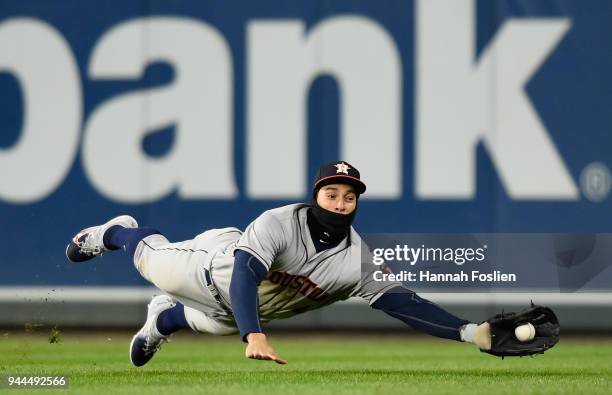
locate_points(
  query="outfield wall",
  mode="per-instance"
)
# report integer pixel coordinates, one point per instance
(463, 116)
(103, 307)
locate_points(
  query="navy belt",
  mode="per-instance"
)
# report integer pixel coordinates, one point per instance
(211, 287)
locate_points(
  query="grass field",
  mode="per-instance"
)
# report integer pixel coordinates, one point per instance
(98, 364)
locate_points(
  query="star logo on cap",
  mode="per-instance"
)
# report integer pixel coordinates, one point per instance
(342, 168)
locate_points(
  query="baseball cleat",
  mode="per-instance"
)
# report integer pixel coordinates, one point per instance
(148, 340)
(88, 243)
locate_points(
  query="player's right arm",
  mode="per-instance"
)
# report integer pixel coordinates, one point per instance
(257, 249)
(246, 277)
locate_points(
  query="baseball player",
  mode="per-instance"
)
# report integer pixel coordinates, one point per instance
(289, 260)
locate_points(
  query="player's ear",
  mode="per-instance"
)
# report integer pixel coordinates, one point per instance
(315, 196)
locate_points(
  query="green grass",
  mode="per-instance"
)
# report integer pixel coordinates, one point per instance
(193, 365)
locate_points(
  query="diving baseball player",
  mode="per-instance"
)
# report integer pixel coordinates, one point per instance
(289, 260)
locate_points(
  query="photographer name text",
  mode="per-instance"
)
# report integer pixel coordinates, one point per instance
(462, 276)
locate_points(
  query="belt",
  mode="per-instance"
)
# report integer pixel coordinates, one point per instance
(214, 292)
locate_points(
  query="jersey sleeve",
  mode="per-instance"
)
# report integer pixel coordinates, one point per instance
(369, 288)
(263, 238)
(367, 280)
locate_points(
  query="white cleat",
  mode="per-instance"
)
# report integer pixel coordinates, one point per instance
(148, 340)
(88, 243)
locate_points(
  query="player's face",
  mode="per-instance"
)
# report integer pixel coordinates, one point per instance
(339, 198)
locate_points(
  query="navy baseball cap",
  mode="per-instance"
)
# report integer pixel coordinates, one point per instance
(339, 172)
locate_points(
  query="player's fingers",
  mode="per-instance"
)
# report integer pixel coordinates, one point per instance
(279, 360)
(259, 356)
(268, 357)
(274, 357)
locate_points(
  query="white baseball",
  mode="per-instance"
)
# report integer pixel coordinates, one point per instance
(525, 332)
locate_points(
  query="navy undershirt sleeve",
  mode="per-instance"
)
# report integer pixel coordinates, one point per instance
(419, 313)
(246, 277)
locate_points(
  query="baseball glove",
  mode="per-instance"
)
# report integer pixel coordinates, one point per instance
(504, 342)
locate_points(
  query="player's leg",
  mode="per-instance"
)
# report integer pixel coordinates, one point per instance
(90, 242)
(172, 267)
(169, 266)
(165, 317)
(202, 323)
(118, 237)
(178, 268)
(175, 268)
(123, 233)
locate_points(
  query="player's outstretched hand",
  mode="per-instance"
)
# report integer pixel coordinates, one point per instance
(259, 348)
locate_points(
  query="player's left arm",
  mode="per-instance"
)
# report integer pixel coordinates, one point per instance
(421, 314)
(405, 305)
(495, 336)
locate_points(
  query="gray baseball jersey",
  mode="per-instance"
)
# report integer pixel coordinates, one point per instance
(299, 277)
